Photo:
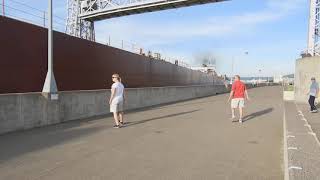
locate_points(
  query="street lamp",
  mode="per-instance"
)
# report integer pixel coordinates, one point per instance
(232, 69)
(259, 76)
(3, 10)
(50, 89)
(233, 59)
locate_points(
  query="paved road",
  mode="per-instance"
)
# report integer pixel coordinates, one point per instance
(188, 140)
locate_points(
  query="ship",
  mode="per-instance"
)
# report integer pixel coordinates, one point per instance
(81, 64)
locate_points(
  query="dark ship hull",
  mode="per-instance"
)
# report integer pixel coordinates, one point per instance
(79, 64)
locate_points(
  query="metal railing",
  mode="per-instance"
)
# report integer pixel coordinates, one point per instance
(24, 12)
(29, 14)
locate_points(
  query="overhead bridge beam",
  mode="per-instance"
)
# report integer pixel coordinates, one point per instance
(95, 10)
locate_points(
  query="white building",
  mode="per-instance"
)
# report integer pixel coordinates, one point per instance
(278, 79)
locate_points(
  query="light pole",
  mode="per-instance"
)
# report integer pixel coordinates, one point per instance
(259, 76)
(3, 13)
(232, 69)
(232, 66)
(50, 89)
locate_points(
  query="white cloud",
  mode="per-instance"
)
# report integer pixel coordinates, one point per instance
(169, 32)
(286, 5)
(179, 26)
(163, 36)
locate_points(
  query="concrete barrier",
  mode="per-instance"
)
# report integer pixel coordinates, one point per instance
(288, 95)
(305, 69)
(29, 110)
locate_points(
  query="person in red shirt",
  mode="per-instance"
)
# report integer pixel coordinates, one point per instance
(237, 96)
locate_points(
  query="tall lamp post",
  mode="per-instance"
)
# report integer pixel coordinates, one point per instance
(3, 10)
(259, 76)
(233, 59)
(50, 89)
(231, 81)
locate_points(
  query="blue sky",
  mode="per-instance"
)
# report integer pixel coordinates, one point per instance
(274, 32)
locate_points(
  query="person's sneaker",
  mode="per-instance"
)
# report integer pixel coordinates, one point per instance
(315, 111)
(116, 126)
(240, 120)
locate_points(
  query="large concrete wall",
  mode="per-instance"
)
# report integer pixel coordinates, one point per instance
(305, 69)
(29, 110)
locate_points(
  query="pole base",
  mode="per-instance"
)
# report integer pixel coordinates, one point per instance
(50, 90)
(50, 96)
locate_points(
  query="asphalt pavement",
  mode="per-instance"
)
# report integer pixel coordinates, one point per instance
(193, 140)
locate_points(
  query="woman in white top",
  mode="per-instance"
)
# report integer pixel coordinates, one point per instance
(116, 101)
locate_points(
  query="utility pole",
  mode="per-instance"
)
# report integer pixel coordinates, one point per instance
(232, 70)
(3, 13)
(233, 59)
(259, 76)
(50, 89)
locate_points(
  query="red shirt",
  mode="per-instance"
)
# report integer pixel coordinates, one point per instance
(238, 89)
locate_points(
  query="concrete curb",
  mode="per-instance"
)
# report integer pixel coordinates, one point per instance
(288, 95)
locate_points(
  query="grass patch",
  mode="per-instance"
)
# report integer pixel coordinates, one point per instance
(289, 88)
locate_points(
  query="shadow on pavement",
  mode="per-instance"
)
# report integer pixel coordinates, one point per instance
(17, 144)
(257, 114)
(187, 102)
(160, 117)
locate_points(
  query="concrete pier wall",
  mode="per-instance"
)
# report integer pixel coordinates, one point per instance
(305, 69)
(29, 110)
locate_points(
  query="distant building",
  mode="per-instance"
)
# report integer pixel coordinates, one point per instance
(277, 79)
(286, 79)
